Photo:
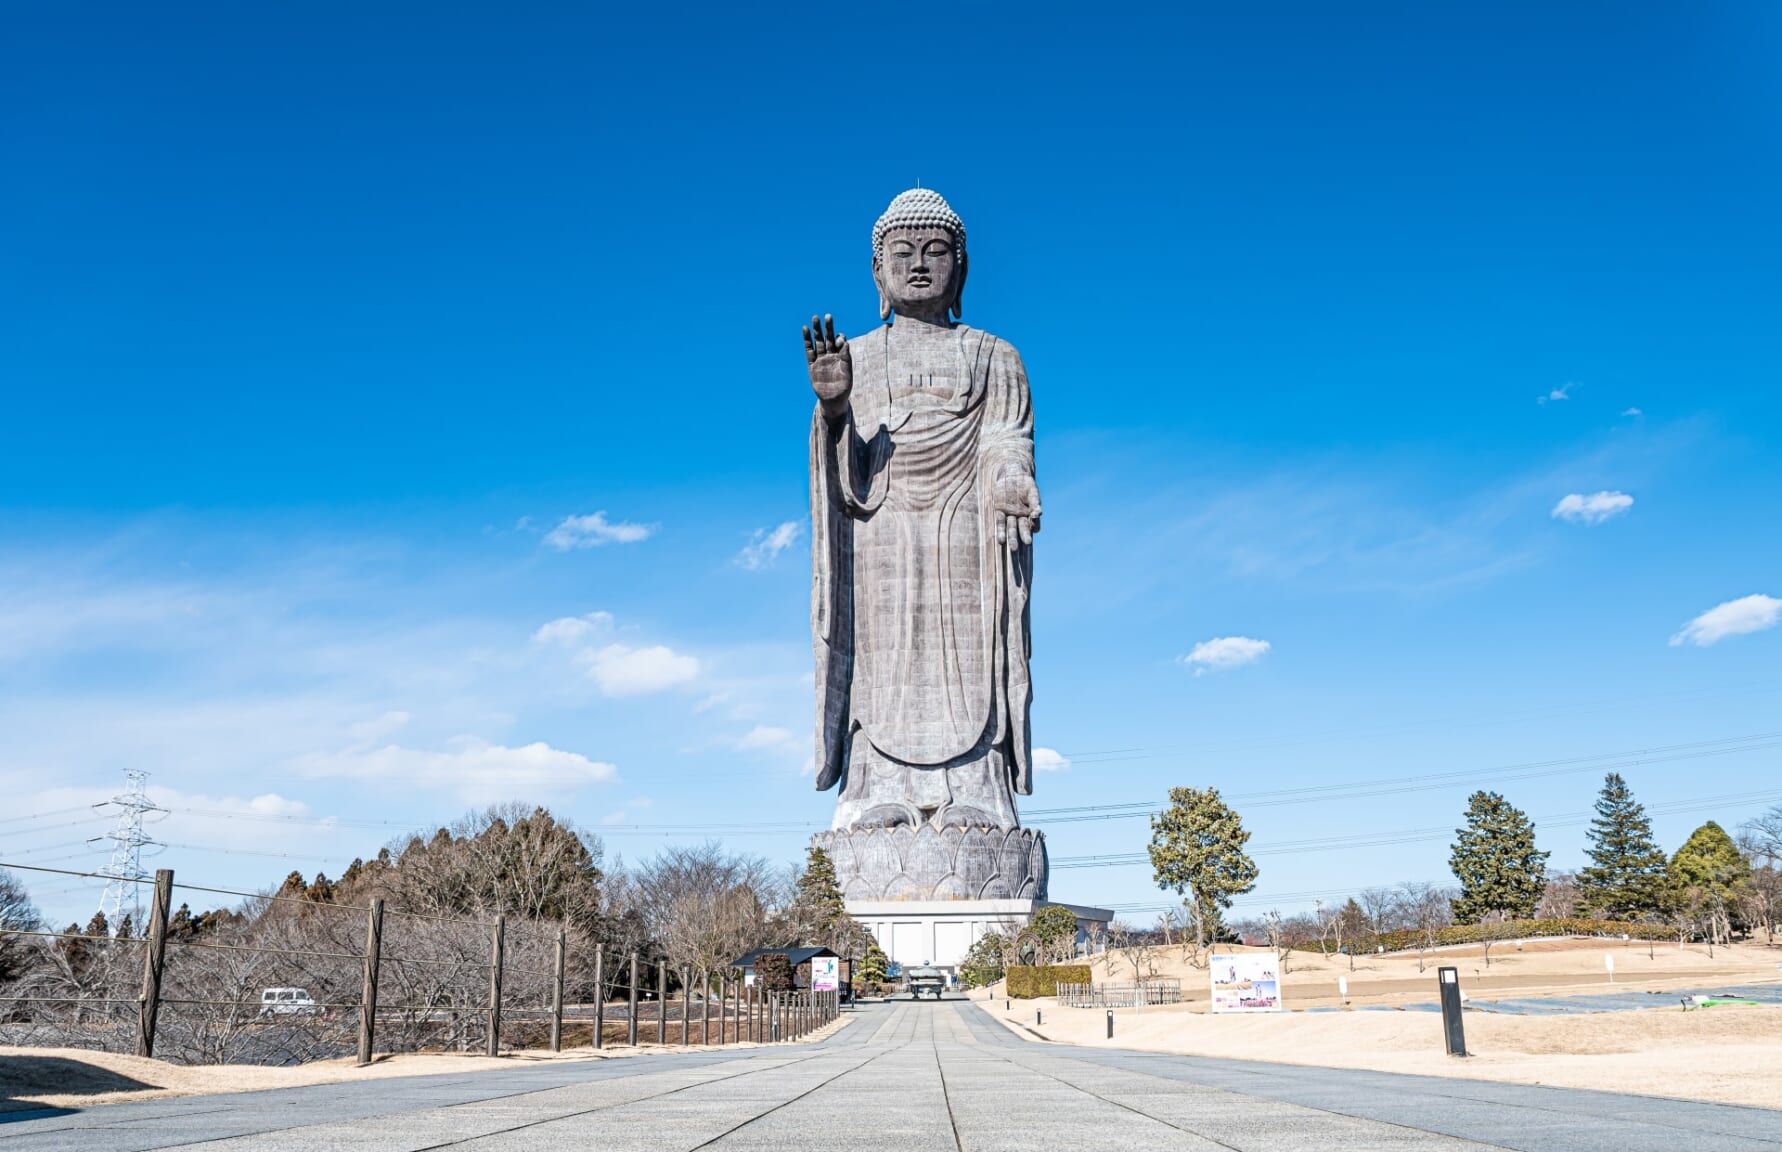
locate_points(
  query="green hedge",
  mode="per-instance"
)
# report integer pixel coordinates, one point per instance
(1029, 981)
(1407, 939)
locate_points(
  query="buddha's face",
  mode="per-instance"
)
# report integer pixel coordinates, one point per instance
(919, 270)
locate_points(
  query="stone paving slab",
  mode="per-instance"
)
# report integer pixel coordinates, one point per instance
(908, 1078)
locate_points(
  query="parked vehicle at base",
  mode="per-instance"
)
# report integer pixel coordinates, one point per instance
(288, 1002)
(925, 981)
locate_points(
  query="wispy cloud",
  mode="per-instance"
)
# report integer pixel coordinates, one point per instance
(1049, 760)
(621, 670)
(1756, 613)
(764, 737)
(574, 629)
(1632, 412)
(767, 544)
(1592, 509)
(381, 728)
(1224, 652)
(594, 530)
(477, 770)
(1563, 392)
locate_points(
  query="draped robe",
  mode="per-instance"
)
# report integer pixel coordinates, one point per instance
(919, 614)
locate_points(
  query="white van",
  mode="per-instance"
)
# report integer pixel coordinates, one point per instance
(288, 1002)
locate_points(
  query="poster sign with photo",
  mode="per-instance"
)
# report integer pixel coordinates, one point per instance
(1246, 982)
(825, 973)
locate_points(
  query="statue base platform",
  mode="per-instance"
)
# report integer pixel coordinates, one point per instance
(939, 933)
(930, 863)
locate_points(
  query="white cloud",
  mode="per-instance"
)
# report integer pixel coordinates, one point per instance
(1563, 392)
(764, 737)
(594, 530)
(1733, 618)
(476, 769)
(626, 671)
(384, 726)
(1049, 760)
(1592, 509)
(1224, 652)
(573, 629)
(1632, 412)
(767, 544)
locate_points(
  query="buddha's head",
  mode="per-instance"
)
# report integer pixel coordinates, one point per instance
(918, 257)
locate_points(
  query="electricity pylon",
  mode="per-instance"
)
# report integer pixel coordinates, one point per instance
(129, 843)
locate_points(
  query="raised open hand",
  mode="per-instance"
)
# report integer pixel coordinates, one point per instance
(832, 373)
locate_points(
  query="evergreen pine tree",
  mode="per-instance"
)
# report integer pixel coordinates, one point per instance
(1197, 848)
(1626, 877)
(819, 893)
(1495, 859)
(1708, 875)
(875, 966)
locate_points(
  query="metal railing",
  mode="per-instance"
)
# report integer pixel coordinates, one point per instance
(1139, 994)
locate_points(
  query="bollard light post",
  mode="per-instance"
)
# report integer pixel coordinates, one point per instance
(1110, 1023)
(1454, 1031)
(1039, 1017)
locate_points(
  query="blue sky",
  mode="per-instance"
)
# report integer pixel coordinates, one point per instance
(404, 410)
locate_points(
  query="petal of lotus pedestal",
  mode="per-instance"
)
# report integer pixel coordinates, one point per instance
(952, 887)
(929, 857)
(878, 861)
(1038, 869)
(1012, 857)
(976, 860)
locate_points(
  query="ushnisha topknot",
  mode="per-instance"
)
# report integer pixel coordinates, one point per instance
(918, 208)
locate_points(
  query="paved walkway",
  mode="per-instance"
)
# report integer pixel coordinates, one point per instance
(906, 1078)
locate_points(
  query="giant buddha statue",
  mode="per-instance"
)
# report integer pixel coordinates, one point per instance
(923, 512)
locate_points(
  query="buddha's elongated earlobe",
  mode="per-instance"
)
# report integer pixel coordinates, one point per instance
(884, 297)
(959, 291)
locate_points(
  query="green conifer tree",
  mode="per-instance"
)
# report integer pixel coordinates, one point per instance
(1197, 849)
(1626, 878)
(1495, 859)
(1708, 876)
(875, 966)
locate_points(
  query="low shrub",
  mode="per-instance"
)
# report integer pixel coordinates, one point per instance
(1407, 939)
(1030, 981)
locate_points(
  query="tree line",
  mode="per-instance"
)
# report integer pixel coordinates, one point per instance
(1713, 887)
(691, 908)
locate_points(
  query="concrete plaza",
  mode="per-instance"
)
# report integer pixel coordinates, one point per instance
(903, 1077)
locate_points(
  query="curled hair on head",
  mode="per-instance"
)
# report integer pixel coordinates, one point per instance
(918, 208)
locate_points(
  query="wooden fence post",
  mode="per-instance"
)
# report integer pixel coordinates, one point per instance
(374, 948)
(497, 954)
(557, 990)
(705, 1009)
(631, 1015)
(661, 1003)
(599, 992)
(154, 959)
(686, 1004)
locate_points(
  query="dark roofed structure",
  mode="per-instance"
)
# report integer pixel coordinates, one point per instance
(794, 956)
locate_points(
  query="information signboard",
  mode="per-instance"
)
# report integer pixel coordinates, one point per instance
(825, 973)
(1246, 982)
